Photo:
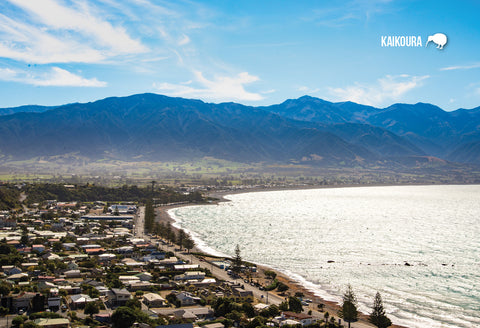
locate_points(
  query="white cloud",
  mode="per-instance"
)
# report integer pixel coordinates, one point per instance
(55, 77)
(266, 92)
(49, 32)
(184, 40)
(460, 67)
(386, 89)
(221, 88)
(307, 90)
(82, 20)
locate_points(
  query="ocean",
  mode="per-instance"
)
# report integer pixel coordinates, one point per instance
(419, 246)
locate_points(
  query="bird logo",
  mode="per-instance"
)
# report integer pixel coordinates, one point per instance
(439, 39)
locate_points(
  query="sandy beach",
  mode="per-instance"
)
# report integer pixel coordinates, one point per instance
(294, 286)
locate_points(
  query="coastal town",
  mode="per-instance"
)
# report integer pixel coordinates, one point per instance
(102, 264)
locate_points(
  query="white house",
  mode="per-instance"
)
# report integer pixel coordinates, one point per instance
(191, 275)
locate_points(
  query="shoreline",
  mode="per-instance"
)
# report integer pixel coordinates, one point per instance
(294, 284)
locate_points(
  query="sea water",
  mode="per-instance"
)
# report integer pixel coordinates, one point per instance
(419, 246)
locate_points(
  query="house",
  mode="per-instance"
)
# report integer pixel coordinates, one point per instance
(38, 248)
(50, 256)
(44, 284)
(185, 314)
(302, 318)
(72, 274)
(103, 317)
(128, 279)
(153, 300)
(132, 263)
(145, 276)
(102, 290)
(197, 313)
(53, 323)
(242, 295)
(179, 325)
(54, 301)
(78, 301)
(18, 277)
(119, 296)
(186, 299)
(72, 266)
(289, 322)
(11, 270)
(202, 312)
(185, 267)
(124, 250)
(22, 301)
(69, 246)
(140, 285)
(191, 275)
(94, 251)
(106, 257)
(214, 325)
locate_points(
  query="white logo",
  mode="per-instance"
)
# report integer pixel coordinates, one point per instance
(439, 39)
(394, 41)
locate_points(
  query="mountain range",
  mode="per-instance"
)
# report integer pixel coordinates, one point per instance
(151, 127)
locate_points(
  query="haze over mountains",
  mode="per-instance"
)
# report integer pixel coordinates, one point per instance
(150, 127)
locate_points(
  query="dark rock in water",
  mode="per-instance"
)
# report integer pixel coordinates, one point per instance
(330, 261)
(444, 264)
(407, 264)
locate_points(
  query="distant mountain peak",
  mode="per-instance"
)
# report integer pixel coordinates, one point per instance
(157, 127)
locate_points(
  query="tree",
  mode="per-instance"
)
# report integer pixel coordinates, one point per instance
(378, 317)
(189, 243)
(295, 305)
(4, 311)
(248, 309)
(149, 216)
(281, 287)
(17, 321)
(30, 324)
(24, 239)
(349, 311)
(237, 261)
(123, 317)
(283, 306)
(91, 308)
(134, 303)
(5, 288)
(181, 238)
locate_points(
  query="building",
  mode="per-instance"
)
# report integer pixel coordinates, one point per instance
(242, 295)
(153, 300)
(72, 274)
(302, 318)
(53, 323)
(191, 275)
(22, 301)
(80, 300)
(118, 296)
(123, 209)
(186, 299)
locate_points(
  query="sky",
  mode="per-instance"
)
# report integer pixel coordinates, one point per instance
(260, 52)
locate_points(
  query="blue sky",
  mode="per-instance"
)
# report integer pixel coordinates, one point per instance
(253, 52)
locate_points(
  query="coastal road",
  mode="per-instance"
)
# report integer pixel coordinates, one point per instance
(223, 275)
(139, 230)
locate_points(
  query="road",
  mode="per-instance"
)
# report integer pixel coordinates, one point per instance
(139, 230)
